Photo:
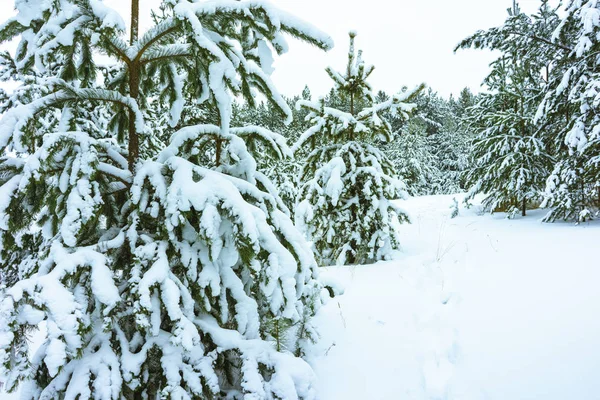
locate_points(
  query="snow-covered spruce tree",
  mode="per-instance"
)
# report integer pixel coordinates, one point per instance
(347, 183)
(510, 159)
(154, 275)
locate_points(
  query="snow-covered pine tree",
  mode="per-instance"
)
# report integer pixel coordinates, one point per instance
(563, 45)
(452, 143)
(446, 142)
(451, 148)
(348, 184)
(508, 168)
(153, 274)
(569, 111)
(510, 159)
(439, 150)
(413, 161)
(466, 99)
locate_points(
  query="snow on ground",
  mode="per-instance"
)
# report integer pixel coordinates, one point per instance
(476, 307)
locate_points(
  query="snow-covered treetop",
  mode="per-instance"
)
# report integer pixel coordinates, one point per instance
(217, 48)
(529, 34)
(366, 124)
(354, 81)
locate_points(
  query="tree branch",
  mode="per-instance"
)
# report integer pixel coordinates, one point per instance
(543, 40)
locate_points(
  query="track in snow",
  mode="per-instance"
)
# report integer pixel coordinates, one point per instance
(477, 307)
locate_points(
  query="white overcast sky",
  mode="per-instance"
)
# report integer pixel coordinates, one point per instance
(408, 41)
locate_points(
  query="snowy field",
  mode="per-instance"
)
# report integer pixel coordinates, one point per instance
(477, 307)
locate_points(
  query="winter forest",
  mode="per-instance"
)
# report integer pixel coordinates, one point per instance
(174, 226)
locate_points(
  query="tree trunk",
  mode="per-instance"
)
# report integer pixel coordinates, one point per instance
(218, 152)
(524, 208)
(351, 112)
(135, 21)
(134, 88)
(134, 145)
(583, 198)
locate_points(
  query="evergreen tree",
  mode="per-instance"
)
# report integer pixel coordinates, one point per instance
(561, 49)
(510, 161)
(347, 183)
(413, 162)
(431, 150)
(465, 101)
(510, 158)
(432, 111)
(569, 109)
(161, 264)
(451, 150)
(446, 141)
(454, 158)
